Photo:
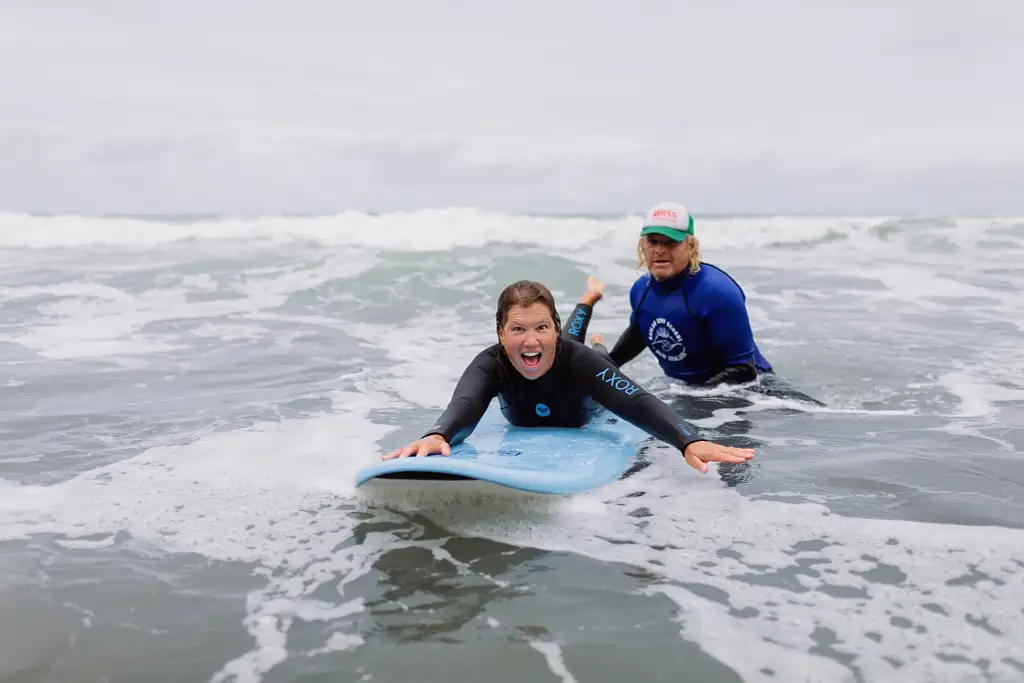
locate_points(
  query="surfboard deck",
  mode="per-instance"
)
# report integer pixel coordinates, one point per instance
(538, 460)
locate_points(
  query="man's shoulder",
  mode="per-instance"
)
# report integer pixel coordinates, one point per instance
(641, 281)
(638, 287)
(714, 283)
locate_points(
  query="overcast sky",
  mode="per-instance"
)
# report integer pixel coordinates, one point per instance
(311, 106)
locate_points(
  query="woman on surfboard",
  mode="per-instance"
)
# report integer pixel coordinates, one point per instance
(544, 378)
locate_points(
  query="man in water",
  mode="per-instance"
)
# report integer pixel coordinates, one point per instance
(690, 314)
(543, 378)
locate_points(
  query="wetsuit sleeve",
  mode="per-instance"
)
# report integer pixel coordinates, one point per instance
(576, 328)
(735, 374)
(477, 386)
(629, 345)
(728, 327)
(624, 397)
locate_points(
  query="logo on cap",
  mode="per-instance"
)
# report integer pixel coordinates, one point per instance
(664, 213)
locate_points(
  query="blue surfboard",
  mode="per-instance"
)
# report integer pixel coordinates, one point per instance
(541, 460)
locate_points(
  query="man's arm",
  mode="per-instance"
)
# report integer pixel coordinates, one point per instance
(731, 336)
(735, 374)
(629, 346)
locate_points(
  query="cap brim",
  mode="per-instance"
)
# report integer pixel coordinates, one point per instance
(671, 233)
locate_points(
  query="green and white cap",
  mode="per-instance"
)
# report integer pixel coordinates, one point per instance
(669, 219)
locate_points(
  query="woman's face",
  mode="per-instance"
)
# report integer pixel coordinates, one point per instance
(529, 337)
(665, 257)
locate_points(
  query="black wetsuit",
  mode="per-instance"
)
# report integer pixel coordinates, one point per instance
(563, 397)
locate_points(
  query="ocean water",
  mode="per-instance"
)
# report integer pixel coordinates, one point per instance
(185, 402)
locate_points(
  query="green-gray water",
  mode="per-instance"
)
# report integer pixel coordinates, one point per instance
(184, 405)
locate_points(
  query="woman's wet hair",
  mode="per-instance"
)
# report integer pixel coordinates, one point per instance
(526, 293)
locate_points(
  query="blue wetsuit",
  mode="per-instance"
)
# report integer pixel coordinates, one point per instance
(696, 325)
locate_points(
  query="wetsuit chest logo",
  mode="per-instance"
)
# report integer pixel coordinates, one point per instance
(542, 410)
(665, 340)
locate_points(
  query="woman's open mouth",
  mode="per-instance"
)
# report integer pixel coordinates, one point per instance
(531, 359)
